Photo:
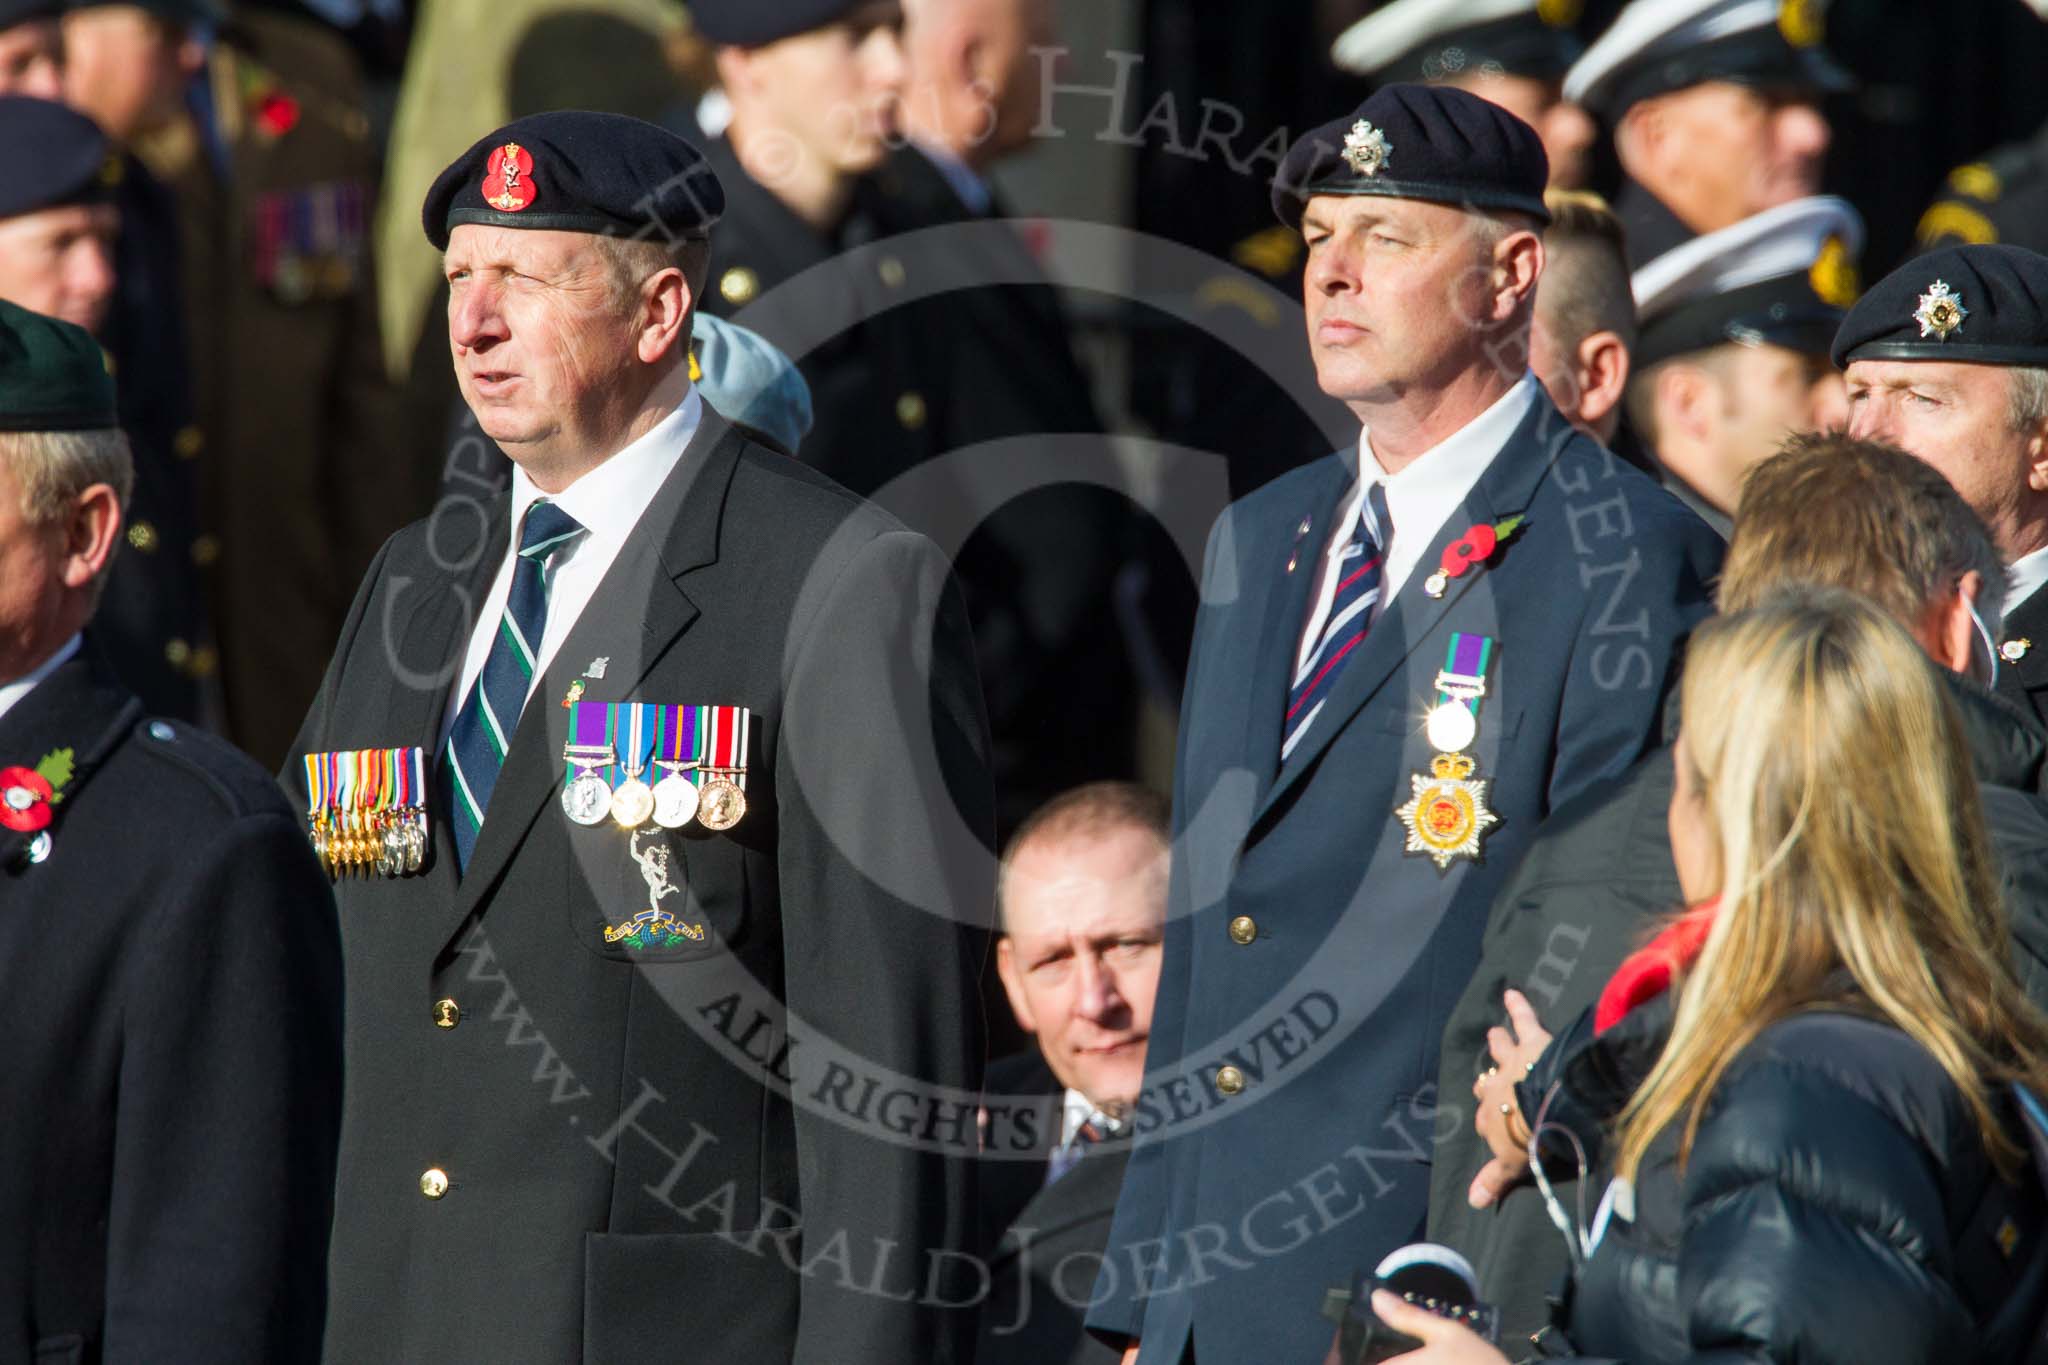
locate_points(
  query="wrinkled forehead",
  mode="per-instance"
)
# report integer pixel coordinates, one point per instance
(1991, 381)
(482, 246)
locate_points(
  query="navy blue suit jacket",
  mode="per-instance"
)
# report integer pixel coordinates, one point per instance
(1240, 1210)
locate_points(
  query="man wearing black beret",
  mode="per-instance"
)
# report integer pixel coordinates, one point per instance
(656, 789)
(1408, 653)
(170, 965)
(64, 244)
(1947, 357)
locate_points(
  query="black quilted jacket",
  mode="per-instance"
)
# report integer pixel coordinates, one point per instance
(1838, 1208)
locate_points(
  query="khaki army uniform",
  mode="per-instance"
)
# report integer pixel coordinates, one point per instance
(301, 472)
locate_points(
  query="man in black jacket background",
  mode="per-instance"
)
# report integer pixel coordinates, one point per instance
(1600, 874)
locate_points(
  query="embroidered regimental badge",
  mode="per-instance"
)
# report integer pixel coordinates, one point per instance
(508, 179)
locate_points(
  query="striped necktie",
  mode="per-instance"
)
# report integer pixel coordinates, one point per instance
(483, 727)
(1363, 561)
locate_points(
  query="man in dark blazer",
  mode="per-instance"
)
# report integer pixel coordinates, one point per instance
(1408, 653)
(1947, 358)
(652, 1072)
(1083, 899)
(170, 965)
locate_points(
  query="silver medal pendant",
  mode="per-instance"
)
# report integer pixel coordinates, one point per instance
(632, 803)
(587, 800)
(1451, 727)
(675, 801)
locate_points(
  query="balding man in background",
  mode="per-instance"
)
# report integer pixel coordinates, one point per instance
(1083, 897)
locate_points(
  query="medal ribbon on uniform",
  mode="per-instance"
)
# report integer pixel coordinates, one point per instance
(1460, 687)
(1446, 816)
(366, 810)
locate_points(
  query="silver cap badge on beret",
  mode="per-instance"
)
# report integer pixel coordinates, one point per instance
(1366, 149)
(1940, 312)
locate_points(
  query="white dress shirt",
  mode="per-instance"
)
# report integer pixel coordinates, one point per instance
(12, 693)
(608, 503)
(1420, 499)
(2024, 578)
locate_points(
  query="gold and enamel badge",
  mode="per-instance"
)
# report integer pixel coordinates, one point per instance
(1366, 149)
(1447, 815)
(1941, 312)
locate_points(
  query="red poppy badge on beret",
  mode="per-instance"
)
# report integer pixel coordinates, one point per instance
(508, 179)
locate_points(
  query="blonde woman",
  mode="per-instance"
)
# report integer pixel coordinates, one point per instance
(1803, 1090)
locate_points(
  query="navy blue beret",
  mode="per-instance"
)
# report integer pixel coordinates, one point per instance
(574, 171)
(755, 23)
(50, 156)
(186, 12)
(1419, 142)
(1982, 305)
(14, 12)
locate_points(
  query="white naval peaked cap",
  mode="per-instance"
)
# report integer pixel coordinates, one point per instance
(1393, 31)
(1786, 240)
(1659, 45)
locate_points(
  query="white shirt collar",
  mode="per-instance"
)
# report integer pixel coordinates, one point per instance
(609, 500)
(2024, 577)
(965, 180)
(1075, 1110)
(12, 693)
(1453, 465)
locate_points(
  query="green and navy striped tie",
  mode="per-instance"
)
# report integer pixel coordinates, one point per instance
(490, 713)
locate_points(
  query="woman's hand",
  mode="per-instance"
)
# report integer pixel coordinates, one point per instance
(1443, 1342)
(1497, 1116)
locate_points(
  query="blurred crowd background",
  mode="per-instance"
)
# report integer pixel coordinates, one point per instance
(275, 311)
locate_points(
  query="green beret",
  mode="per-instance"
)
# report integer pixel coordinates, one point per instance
(53, 375)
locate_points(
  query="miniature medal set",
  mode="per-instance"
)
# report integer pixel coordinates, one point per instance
(366, 811)
(1447, 815)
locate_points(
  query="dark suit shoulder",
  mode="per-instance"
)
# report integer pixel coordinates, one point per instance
(191, 777)
(807, 504)
(1998, 198)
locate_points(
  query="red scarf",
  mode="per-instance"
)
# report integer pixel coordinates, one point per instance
(1646, 973)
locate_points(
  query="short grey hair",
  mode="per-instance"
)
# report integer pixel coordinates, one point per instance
(632, 260)
(2029, 397)
(51, 468)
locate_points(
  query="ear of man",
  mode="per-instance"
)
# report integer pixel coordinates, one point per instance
(92, 528)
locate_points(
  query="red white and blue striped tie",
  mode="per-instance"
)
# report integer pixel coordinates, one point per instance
(483, 727)
(1363, 561)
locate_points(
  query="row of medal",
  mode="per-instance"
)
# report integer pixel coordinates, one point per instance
(696, 756)
(366, 811)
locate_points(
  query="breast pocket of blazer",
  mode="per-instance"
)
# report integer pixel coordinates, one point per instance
(656, 895)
